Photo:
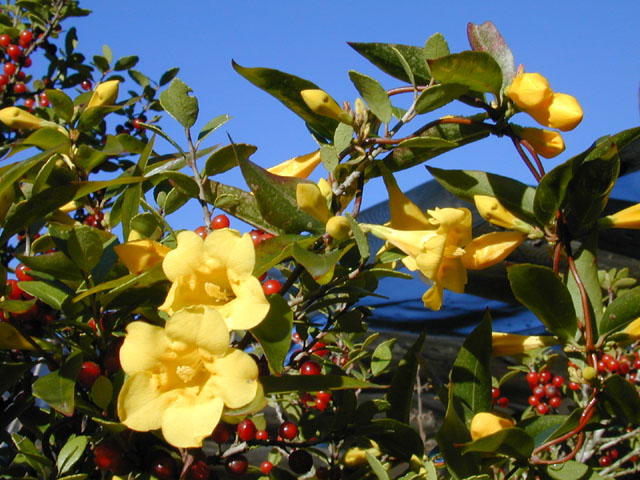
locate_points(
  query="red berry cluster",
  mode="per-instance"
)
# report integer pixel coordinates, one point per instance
(546, 390)
(133, 124)
(619, 364)
(608, 457)
(12, 75)
(496, 398)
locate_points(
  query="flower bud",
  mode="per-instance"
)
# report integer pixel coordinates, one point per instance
(529, 90)
(513, 344)
(484, 424)
(627, 218)
(488, 249)
(140, 255)
(633, 329)
(494, 212)
(19, 119)
(300, 167)
(338, 227)
(105, 94)
(562, 112)
(546, 143)
(321, 103)
(310, 199)
(356, 456)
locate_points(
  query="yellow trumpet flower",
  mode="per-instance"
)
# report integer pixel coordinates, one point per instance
(300, 167)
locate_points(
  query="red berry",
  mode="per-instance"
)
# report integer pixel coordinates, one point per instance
(300, 461)
(288, 430)
(256, 236)
(220, 221)
(137, 124)
(557, 381)
(20, 76)
(19, 88)
(602, 366)
(545, 376)
(16, 292)
(307, 399)
(573, 386)
(555, 401)
(532, 378)
(321, 404)
(199, 470)
(612, 365)
(310, 368)
(44, 101)
(266, 236)
(164, 467)
(10, 68)
(262, 435)
(5, 40)
(21, 273)
(534, 401)
(542, 408)
(605, 461)
(86, 85)
(89, 373)
(202, 231)
(26, 63)
(14, 51)
(222, 433)
(26, 36)
(4, 79)
(271, 287)
(324, 396)
(318, 349)
(296, 337)
(606, 358)
(246, 430)
(108, 456)
(624, 367)
(538, 391)
(266, 467)
(495, 393)
(237, 465)
(550, 390)
(613, 453)
(503, 402)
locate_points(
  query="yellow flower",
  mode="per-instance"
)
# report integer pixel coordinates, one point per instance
(494, 212)
(356, 456)
(546, 143)
(627, 218)
(405, 215)
(300, 167)
(319, 102)
(14, 117)
(562, 112)
(181, 377)
(488, 249)
(104, 94)
(633, 329)
(139, 255)
(310, 199)
(338, 227)
(513, 344)
(529, 90)
(484, 424)
(216, 271)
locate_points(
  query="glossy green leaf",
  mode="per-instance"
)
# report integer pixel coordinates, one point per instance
(53, 294)
(341, 139)
(101, 62)
(487, 38)
(435, 47)
(542, 292)
(514, 195)
(374, 94)
(376, 467)
(274, 333)
(426, 142)
(126, 63)
(212, 125)
(274, 250)
(224, 158)
(183, 182)
(622, 398)
(31, 455)
(476, 70)
(382, 356)
(286, 88)
(622, 311)
(56, 264)
(572, 470)
(317, 264)
(400, 394)
(179, 104)
(57, 388)
(16, 306)
(470, 376)
(360, 237)
(61, 103)
(512, 442)
(139, 77)
(71, 452)
(148, 224)
(168, 76)
(276, 198)
(382, 55)
(102, 392)
(438, 96)
(92, 116)
(329, 156)
(312, 383)
(396, 437)
(88, 158)
(405, 65)
(541, 428)
(11, 173)
(84, 247)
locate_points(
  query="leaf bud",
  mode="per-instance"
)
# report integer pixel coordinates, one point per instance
(105, 94)
(529, 90)
(321, 103)
(546, 143)
(484, 424)
(17, 118)
(338, 227)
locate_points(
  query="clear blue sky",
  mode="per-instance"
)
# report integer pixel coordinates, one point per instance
(588, 49)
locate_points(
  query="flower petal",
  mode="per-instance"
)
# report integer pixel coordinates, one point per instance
(429, 260)
(201, 326)
(141, 403)
(219, 245)
(190, 420)
(143, 347)
(432, 298)
(234, 378)
(141, 254)
(242, 259)
(405, 215)
(491, 248)
(249, 307)
(186, 258)
(452, 275)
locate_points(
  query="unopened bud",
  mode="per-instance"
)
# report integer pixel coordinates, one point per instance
(338, 227)
(484, 424)
(321, 103)
(529, 90)
(562, 112)
(546, 143)
(19, 119)
(105, 94)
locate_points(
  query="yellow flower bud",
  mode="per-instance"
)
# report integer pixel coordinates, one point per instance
(546, 143)
(562, 112)
(338, 227)
(494, 212)
(487, 250)
(300, 167)
(325, 188)
(310, 199)
(17, 118)
(589, 373)
(140, 255)
(529, 90)
(484, 424)
(105, 94)
(627, 218)
(356, 456)
(321, 103)
(513, 344)
(633, 329)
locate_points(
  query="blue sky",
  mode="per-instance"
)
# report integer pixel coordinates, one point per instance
(588, 49)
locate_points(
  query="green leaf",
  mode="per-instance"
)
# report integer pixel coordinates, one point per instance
(435, 47)
(540, 428)
(438, 96)
(139, 77)
(224, 158)
(49, 292)
(376, 467)
(512, 442)
(48, 138)
(341, 139)
(398, 438)
(179, 104)
(477, 70)
(101, 62)
(400, 394)
(56, 264)
(622, 399)
(312, 383)
(382, 55)
(168, 76)
(515, 196)
(85, 247)
(274, 250)
(360, 237)
(102, 392)
(61, 103)
(317, 264)
(572, 470)
(125, 63)
(183, 182)
(92, 116)
(276, 198)
(382, 356)
(406, 66)
(470, 375)
(374, 94)
(286, 88)
(88, 158)
(212, 125)
(71, 452)
(57, 388)
(148, 225)
(107, 53)
(542, 292)
(29, 454)
(329, 156)
(622, 311)
(274, 333)
(11, 173)
(487, 38)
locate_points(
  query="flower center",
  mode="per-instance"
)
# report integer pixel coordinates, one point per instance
(217, 292)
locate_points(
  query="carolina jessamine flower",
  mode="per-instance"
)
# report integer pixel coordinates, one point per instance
(338, 227)
(321, 103)
(633, 329)
(484, 424)
(494, 212)
(513, 344)
(104, 94)
(216, 271)
(356, 456)
(627, 218)
(181, 377)
(562, 112)
(300, 167)
(546, 143)
(139, 255)
(310, 199)
(14, 117)
(528, 90)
